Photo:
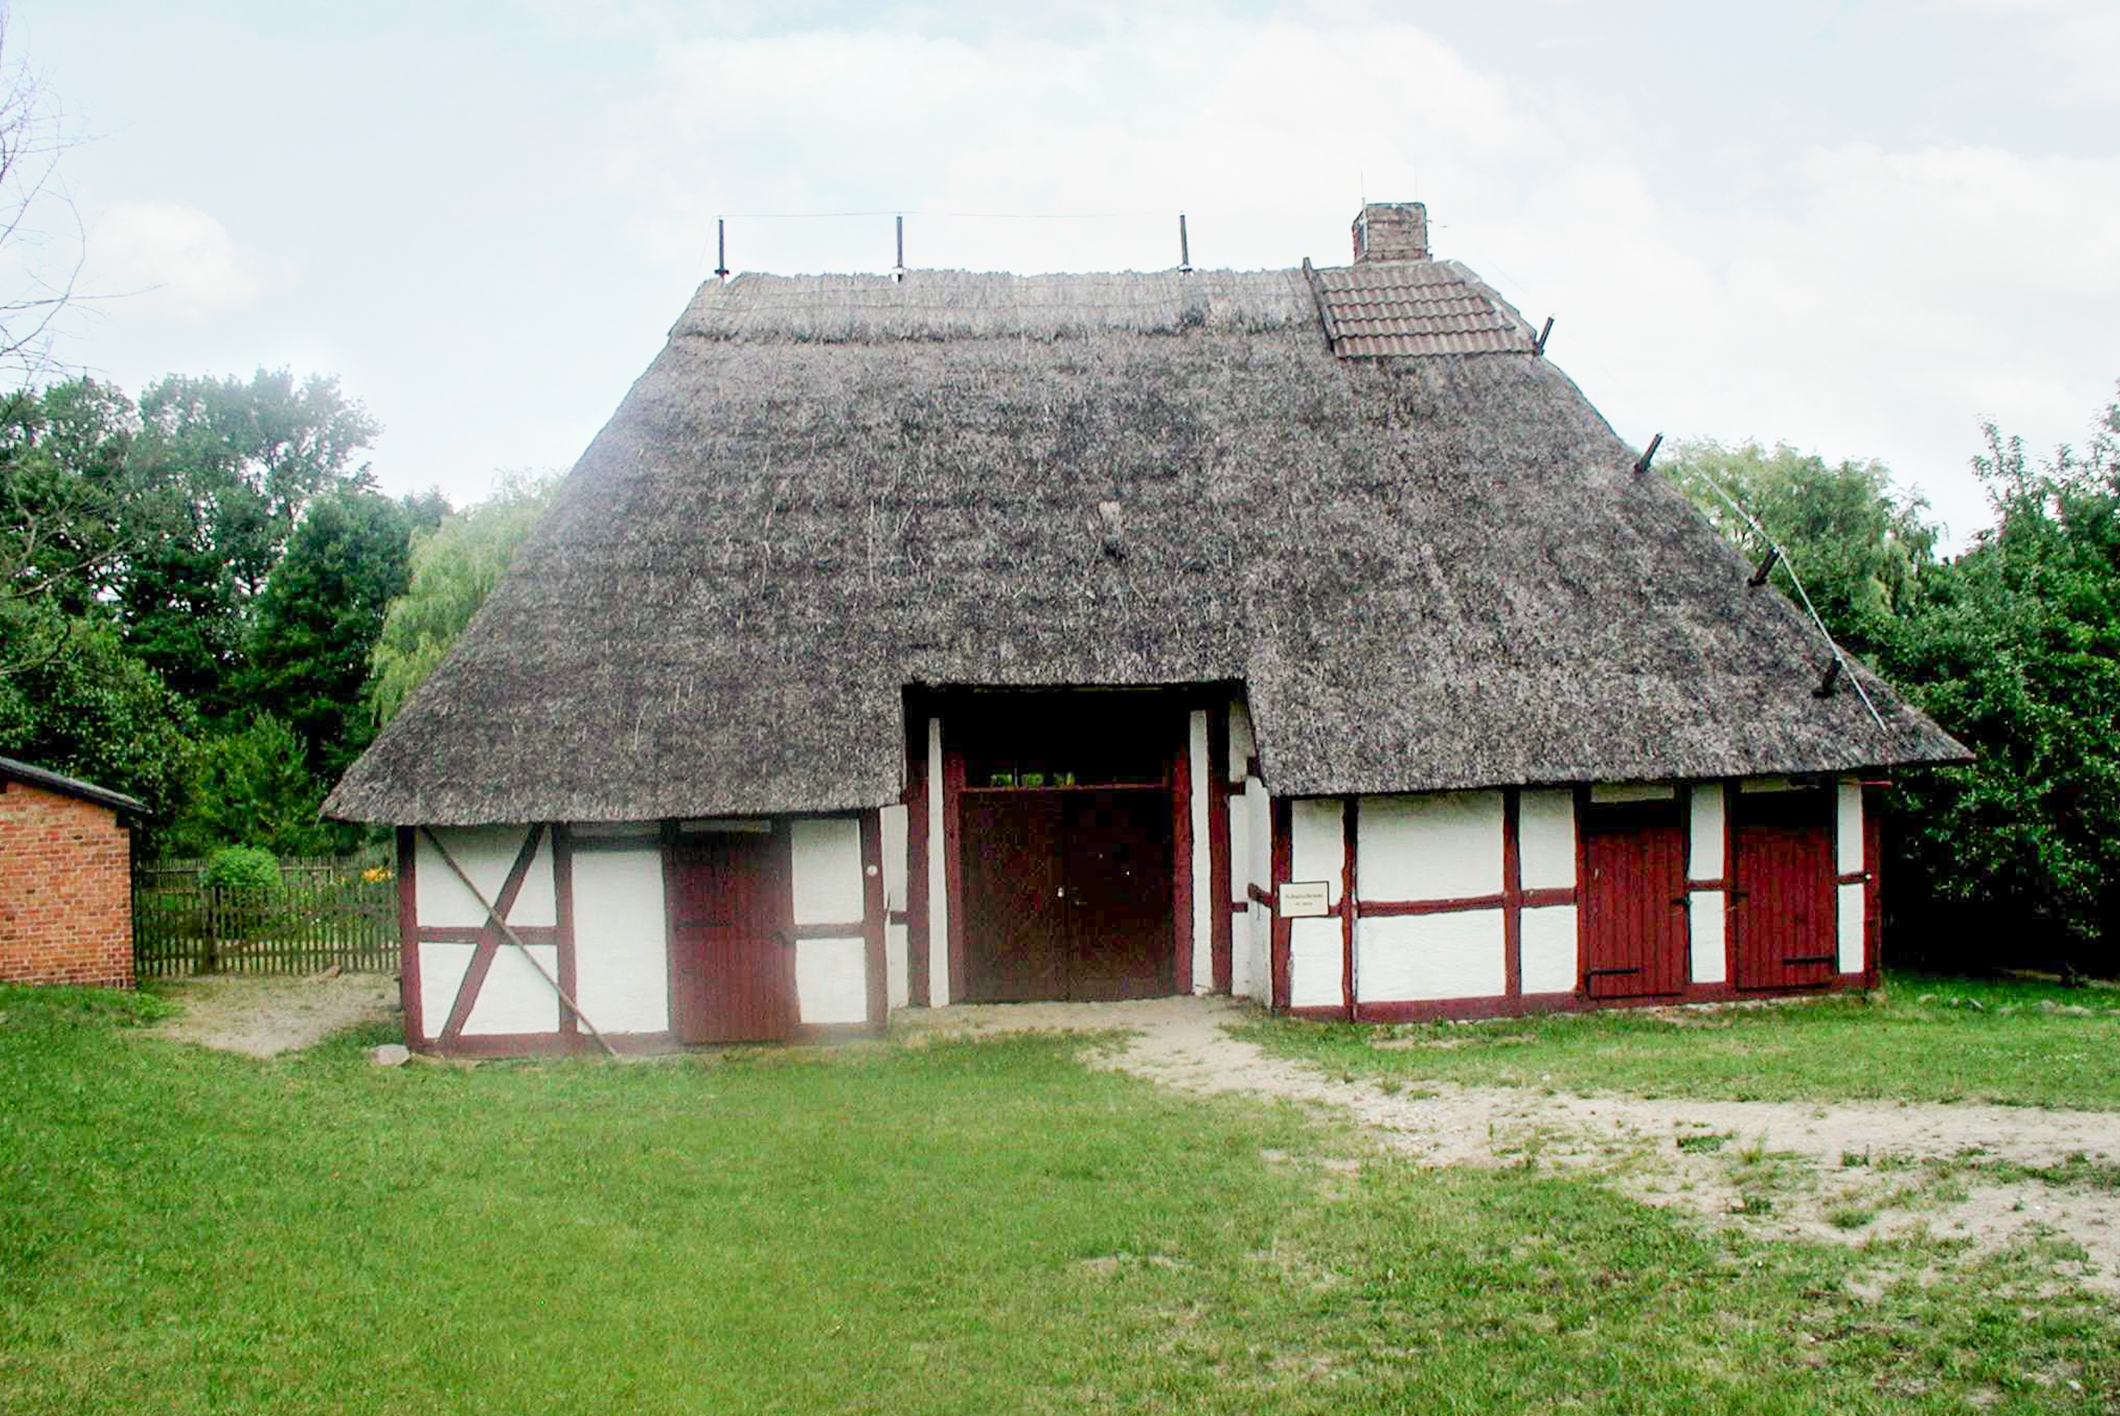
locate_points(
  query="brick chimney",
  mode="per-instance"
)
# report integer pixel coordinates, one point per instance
(1391, 231)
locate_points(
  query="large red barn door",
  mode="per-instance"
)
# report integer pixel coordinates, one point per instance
(1634, 900)
(1068, 828)
(1782, 897)
(1119, 872)
(731, 978)
(1015, 905)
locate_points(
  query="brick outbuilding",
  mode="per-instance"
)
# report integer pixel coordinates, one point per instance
(65, 880)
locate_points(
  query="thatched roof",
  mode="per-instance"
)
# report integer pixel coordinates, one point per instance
(1428, 572)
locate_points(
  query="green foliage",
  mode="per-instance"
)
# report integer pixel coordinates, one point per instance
(244, 871)
(2017, 653)
(454, 568)
(252, 787)
(77, 703)
(231, 465)
(2014, 648)
(68, 493)
(1858, 543)
(318, 619)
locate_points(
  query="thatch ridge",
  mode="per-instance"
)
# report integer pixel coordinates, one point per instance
(1430, 573)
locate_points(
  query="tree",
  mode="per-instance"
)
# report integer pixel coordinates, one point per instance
(453, 569)
(252, 787)
(232, 465)
(2017, 653)
(93, 711)
(318, 618)
(1858, 543)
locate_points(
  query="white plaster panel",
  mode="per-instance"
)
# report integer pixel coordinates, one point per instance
(1545, 838)
(896, 977)
(1421, 957)
(938, 895)
(486, 853)
(1704, 848)
(1316, 960)
(1317, 847)
(1850, 928)
(894, 856)
(1704, 922)
(1242, 745)
(621, 944)
(1616, 793)
(1239, 852)
(831, 981)
(1260, 836)
(1204, 903)
(516, 999)
(1260, 971)
(1438, 846)
(827, 855)
(1848, 824)
(441, 974)
(1548, 958)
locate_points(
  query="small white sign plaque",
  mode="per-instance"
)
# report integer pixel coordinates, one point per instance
(1299, 898)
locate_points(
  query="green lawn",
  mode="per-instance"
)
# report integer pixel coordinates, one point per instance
(967, 1227)
(2018, 1046)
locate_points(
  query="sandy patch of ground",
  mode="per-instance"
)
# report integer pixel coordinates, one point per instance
(265, 1016)
(1774, 1168)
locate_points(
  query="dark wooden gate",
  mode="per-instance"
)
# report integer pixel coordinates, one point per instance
(1015, 898)
(1067, 894)
(1782, 889)
(1119, 875)
(1634, 900)
(731, 970)
(1068, 845)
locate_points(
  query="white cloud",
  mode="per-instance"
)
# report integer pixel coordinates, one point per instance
(2071, 41)
(167, 257)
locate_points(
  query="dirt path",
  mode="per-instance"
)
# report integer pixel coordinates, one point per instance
(1781, 1168)
(262, 1017)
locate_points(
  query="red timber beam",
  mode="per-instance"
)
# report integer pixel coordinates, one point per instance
(1282, 816)
(408, 910)
(1348, 807)
(1219, 922)
(1181, 884)
(873, 921)
(563, 924)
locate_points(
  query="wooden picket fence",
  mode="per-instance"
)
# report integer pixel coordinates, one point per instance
(326, 912)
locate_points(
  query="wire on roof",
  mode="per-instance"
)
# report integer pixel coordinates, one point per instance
(1774, 551)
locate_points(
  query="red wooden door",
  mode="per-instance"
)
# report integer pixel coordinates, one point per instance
(1119, 874)
(1015, 909)
(1633, 901)
(1782, 894)
(731, 967)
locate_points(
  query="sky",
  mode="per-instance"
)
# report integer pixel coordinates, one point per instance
(1863, 229)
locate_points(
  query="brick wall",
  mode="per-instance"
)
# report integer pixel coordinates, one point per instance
(65, 890)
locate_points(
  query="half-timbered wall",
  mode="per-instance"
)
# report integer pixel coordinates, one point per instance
(511, 999)
(590, 907)
(831, 968)
(1468, 903)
